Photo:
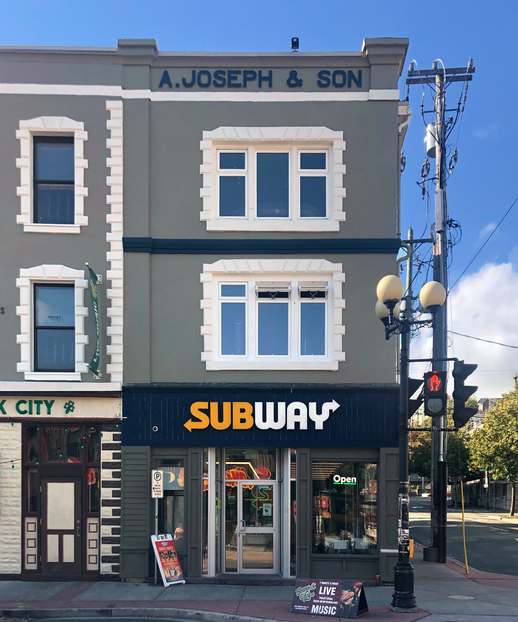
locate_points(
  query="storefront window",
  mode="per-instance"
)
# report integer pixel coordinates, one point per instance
(32, 490)
(94, 490)
(219, 488)
(94, 444)
(205, 511)
(231, 527)
(62, 444)
(293, 512)
(171, 510)
(32, 444)
(344, 508)
(250, 464)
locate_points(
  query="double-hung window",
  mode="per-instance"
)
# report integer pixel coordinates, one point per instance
(54, 328)
(52, 171)
(54, 180)
(272, 321)
(273, 179)
(52, 335)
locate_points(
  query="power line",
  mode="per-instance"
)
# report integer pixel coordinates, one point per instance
(505, 345)
(480, 249)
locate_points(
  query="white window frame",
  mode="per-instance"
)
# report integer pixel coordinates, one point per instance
(299, 274)
(48, 274)
(50, 126)
(253, 140)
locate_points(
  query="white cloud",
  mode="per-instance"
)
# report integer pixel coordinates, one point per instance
(483, 305)
(486, 231)
(513, 257)
(489, 131)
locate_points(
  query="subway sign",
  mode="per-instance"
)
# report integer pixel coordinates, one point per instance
(260, 417)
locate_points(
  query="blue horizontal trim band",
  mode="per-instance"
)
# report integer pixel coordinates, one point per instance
(261, 247)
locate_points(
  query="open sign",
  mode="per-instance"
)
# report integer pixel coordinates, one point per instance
(348, 481)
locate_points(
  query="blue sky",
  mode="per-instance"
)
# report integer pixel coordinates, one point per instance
(485, 181)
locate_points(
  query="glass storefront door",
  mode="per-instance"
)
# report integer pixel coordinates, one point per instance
(251, 512)
(251, 529)
(256, 527)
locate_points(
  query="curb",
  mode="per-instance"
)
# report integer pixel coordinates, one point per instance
(128, 612)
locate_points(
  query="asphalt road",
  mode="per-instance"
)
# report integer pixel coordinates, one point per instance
(492, 544)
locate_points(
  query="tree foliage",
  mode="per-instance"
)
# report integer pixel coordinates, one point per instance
(495, 445)
(457, 454)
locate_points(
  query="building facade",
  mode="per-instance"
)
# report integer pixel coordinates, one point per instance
(261, 209)
(61, 201)
(240, 210)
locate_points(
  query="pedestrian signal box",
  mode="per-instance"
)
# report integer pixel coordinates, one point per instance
(435, 396)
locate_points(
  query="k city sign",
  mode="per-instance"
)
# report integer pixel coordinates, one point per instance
(59, 407)
(265, 417)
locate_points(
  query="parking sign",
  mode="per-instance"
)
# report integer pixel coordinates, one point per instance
(157, 484)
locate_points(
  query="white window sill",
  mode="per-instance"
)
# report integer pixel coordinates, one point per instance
(41, 228)
(272, 365)
(274, 225)
(53, 376)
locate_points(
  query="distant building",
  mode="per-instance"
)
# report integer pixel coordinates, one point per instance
(484, 405)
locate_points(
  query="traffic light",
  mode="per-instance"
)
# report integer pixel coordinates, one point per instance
(435, 396)
(414, 385)
(462, 413)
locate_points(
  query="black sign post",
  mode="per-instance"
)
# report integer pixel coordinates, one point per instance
(340, 599)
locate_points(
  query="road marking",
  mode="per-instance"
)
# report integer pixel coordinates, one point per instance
(461, 597)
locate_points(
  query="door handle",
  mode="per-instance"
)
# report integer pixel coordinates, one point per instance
(78, 529)
(242, 525)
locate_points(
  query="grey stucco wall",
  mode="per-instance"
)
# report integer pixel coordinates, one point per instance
(162, 331)
(163, 139)
(19, 249)
(162, 195)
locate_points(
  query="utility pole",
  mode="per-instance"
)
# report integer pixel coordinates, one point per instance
(440, 78)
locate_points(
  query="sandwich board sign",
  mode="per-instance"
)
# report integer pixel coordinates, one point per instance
(341, 599)
(157, 484)
(167, 559)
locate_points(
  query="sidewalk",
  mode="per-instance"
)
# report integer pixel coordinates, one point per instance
(443, 592)
(491, 513)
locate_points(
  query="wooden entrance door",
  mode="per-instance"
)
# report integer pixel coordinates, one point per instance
(61, 525)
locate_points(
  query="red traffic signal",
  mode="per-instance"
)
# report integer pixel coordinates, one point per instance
(435, 382)
(435, 396)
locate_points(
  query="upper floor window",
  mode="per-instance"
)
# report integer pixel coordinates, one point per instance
(272, 314)
(52, 337)
(54, 180)
(54, 328)
(290, 319)
(272, 179)
(52, 166)
(256, 184)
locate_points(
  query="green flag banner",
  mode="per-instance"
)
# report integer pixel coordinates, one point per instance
(94, 364)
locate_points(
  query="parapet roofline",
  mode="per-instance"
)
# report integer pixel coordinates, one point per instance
(115, 51)
(149, 47)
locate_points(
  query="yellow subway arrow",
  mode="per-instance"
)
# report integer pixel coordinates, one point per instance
(195, 425)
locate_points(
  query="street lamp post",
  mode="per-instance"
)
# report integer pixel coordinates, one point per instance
(390, 291)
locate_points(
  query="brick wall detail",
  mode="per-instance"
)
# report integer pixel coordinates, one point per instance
(10, 498)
